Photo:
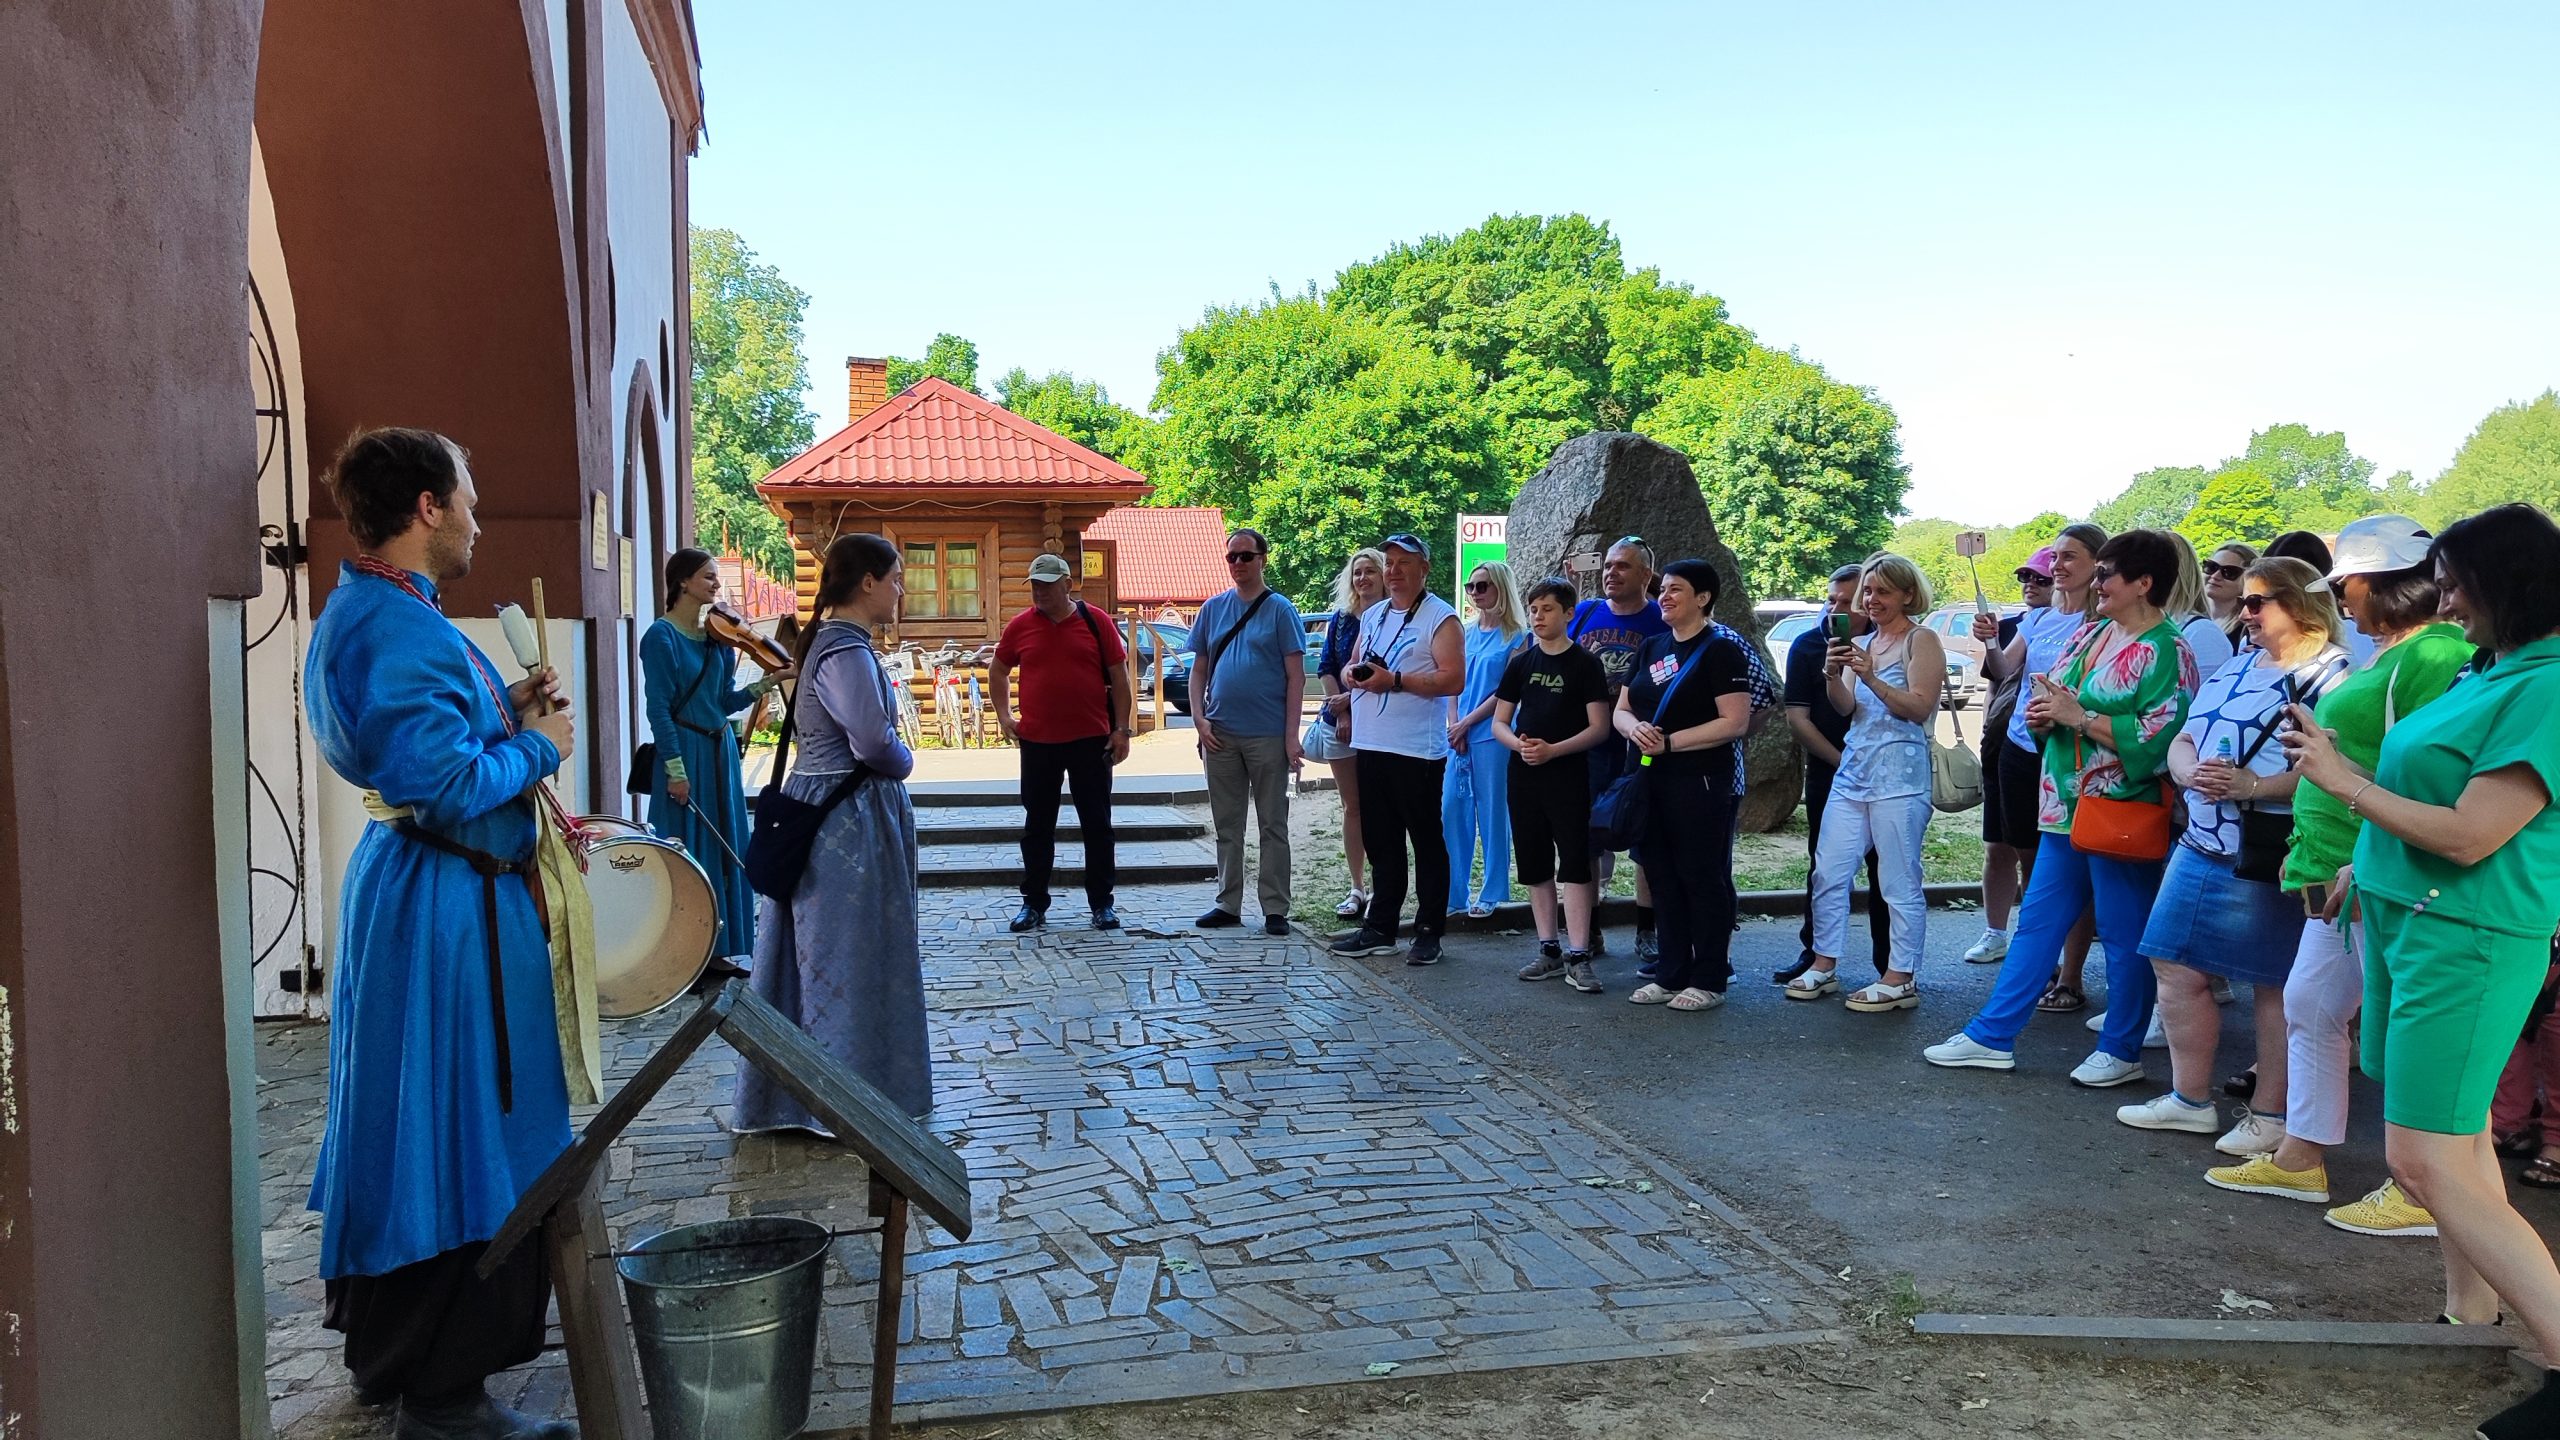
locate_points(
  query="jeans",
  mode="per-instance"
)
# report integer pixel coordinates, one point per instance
(2068, 883)
(1400, 800)
(2321, 998)
(1085, 765)
(1475, 814)
(1888, 834)
(1688, 855)
(1255, 768)
(1817, 798)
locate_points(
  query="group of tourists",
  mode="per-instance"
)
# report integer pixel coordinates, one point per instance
(2326, 776)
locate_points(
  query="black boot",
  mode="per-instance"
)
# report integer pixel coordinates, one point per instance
(2535, 1418)
(475, 1417)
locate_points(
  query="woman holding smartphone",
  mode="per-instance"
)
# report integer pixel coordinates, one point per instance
(2457, 888)
(1362, 583)
(2218, 914)
(2384, 580)
(1887, 683)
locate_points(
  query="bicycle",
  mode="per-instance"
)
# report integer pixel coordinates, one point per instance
(946, 706)
(901, 669)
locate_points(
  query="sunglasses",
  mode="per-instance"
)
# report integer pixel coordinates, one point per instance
(2255, 603)
(2029, 577)
(2101, 574)
(1478, 587)
(1238, 557)
(2224, 572)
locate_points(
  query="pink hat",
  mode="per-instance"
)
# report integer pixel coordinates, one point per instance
(2040, 562)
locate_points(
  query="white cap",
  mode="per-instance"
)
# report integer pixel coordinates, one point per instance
(2378, 545)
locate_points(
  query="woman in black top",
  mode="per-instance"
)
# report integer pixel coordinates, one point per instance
(1689, 752)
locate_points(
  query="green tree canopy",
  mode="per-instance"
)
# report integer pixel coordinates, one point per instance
(2513, 455)
(1538, 332)
(1081, 410)
(1803, 474)
(2319, 484)
(1324, 428)
(949, 356)
(2238, 503)
(748, 374)
(2155, 500)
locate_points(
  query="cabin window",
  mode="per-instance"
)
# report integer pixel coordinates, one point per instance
(943, 580)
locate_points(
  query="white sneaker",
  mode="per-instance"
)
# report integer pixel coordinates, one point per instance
(1962, 1052)
(2254, 1135)
(2157, 1037)
(2168, 1112)
(2097, 1021)
(1991, 949)
(2101, 1070)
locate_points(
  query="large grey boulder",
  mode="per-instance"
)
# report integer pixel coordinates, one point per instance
(1599, 487)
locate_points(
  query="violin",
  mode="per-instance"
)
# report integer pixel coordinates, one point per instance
(731, 629)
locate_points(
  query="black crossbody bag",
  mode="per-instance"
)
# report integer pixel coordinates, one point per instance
(2265, 835)
(786, 830)
(643, 779)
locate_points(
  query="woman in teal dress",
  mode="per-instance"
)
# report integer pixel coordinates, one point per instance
(690, 683)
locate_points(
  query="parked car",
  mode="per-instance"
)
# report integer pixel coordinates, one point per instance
(1783, 635)
(1177, 663)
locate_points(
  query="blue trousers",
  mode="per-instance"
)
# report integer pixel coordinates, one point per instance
(1475, 813)
(2067, 884)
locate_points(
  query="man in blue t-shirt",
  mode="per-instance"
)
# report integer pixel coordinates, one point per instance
(1613, 627)
(1247, 683)
(1822, 730)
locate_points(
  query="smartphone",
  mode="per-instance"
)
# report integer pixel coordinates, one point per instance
(2315, 900)
(1363, 670)
(1844, 628)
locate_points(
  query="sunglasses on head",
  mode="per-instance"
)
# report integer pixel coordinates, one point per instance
(2224, 572)
(1238, 557)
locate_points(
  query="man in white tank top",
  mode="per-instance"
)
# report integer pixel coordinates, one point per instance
(1409, 660)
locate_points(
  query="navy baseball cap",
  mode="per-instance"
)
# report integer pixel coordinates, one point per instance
(1407, 542)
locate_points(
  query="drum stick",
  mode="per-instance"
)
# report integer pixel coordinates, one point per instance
(722, 840)
(541, 637)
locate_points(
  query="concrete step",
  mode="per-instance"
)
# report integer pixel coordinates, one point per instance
(1126, 791)
(948, 867)
(1002, 824)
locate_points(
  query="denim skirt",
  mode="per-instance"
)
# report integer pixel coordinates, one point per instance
(2208, 919)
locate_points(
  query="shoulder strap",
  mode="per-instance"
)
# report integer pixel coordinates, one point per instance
(1094, 628)
(1220, 647)
(2275, 721)
(1662, 706)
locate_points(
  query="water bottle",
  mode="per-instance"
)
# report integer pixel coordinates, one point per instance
(2222, 750)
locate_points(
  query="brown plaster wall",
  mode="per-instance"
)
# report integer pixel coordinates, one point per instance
(423, 202)
(129, 496)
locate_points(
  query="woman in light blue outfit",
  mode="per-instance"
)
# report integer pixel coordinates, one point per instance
(842, 959)
(696, 796)
(1475, 808)
(1887, 682)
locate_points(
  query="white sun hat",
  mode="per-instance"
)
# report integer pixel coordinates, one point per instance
(2380, 544)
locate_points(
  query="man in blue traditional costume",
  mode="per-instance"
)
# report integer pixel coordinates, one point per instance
(447, 1095)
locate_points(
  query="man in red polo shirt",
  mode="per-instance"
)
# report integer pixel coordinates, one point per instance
(1075, 724)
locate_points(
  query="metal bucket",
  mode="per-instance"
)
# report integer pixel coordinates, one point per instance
(726, 1318)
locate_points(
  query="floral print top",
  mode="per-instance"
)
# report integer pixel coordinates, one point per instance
(2143, 689)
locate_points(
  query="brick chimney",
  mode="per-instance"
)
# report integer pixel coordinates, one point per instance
(866, 386)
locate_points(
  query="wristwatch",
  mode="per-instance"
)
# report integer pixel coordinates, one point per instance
(1124, 732)
(1395, 681)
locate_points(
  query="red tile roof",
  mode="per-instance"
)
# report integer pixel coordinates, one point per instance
(933, 435)
(1168, 555)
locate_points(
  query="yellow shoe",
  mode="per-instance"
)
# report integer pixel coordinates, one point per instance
(2261, 1175)
(2387, 1211)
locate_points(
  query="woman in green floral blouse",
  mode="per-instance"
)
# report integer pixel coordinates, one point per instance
(2107, 716)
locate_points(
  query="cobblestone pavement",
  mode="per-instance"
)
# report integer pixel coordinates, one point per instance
(1201, 1165)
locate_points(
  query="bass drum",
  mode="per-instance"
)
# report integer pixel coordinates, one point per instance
(610, 827)
(656, 921)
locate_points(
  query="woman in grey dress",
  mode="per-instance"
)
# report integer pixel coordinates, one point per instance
(842, 958)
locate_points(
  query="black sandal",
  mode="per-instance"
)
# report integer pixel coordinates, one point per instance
(2062, 998)
(2541, 1172)
(2242, 1086)
(2520, 1144)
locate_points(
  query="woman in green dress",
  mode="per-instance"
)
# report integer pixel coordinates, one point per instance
(2456, 882)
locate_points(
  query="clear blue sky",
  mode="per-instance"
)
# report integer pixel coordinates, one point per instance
(2064, 245)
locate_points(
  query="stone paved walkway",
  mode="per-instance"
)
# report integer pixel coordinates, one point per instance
(1202, 1165)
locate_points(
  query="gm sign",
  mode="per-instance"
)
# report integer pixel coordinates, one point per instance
(1482, 539)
